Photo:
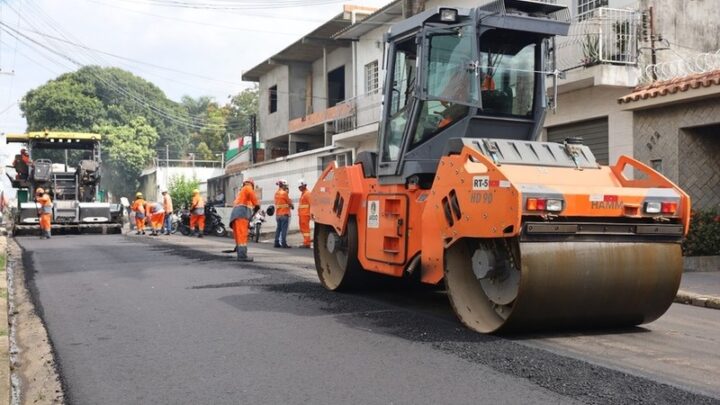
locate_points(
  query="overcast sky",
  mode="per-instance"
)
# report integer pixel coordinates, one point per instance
(214, 43)
(200, 43)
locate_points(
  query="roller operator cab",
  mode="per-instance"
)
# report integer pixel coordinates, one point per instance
(524, 234)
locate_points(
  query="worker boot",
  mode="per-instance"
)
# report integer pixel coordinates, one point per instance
(242, 254)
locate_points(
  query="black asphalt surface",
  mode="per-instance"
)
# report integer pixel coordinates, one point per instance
(138, 321)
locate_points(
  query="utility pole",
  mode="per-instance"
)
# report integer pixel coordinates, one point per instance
(653, 51)
(253, 130)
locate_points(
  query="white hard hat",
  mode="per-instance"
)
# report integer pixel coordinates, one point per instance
(301, 183)
(282, 182)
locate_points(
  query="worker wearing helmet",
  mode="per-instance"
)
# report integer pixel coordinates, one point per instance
(304, 213)
(197, 214)
(44, 212)
(245, 206)
(283, 208)
(138, 207)
(168, 208)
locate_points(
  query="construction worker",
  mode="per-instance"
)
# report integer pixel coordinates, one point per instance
(168, 208)
(283, 208)
(197, 213)
(304, 213)
(22, 164)
(138, 207)
(44, 212)
(244, 207)
(156, 213)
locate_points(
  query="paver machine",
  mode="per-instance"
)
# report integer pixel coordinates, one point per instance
(525, 234)
(72, 180)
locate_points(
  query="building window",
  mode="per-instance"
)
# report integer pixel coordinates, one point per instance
(336, 86)
(371, 77)
(272, 92)
(587, 6)
(657, 165)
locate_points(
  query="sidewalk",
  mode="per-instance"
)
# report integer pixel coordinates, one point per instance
(701, 289)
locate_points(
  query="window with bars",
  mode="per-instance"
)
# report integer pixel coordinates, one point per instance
(585, 7)
(371, 77)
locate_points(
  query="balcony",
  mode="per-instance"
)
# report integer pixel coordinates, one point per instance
(362, 123)
(303, 124)
(600, 49)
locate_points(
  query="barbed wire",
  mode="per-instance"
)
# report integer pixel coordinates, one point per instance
(668, 70)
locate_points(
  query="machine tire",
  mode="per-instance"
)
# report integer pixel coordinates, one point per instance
(184, 230)
(256, 236)
(220, 231)
(339, 270)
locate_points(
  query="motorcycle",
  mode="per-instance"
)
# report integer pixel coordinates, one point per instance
(213, 222)
(255, 225)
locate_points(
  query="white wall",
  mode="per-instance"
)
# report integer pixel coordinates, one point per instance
(597, 102)
(163, 175)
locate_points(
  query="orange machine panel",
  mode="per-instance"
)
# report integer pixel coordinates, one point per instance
(386, 228)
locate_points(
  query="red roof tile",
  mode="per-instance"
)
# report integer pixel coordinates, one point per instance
(665, 87)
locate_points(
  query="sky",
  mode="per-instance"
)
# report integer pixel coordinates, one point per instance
(195, 51)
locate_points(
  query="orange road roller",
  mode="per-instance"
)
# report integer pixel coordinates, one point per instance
(524, 234)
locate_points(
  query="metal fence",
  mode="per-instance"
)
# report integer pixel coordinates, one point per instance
(604, 36)
(675, 69)
(365, 109)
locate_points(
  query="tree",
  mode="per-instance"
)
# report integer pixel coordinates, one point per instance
(133, 114)
(181, 188)
(126, 151)
(242, 106)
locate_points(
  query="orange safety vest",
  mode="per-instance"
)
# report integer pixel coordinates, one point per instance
(167, 203)
(197, 202)
(45, 204)
(246, 197)
(283, 205)
(304, 206)
(139, 206)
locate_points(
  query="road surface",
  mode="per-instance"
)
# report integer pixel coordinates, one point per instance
(172, 320)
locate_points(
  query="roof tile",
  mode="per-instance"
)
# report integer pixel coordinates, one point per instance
(672, 86)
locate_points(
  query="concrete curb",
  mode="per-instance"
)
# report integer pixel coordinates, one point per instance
(698, 300)
(4, 328)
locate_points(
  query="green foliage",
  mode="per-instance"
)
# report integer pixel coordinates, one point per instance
(704, 236)
(180, 190)
(126, 150)
(241, 107)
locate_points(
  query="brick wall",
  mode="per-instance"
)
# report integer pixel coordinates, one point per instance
(686, 138)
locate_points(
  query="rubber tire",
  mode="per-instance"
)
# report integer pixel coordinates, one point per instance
(256, 237)
(220, 231)
(333, 275)
(185, 230)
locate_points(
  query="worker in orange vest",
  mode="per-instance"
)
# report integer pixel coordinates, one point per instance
(197, 213)
(156, 214)
(304, 214)
(245, 206)
(168, 207)
(283, 208)
(44, 212)
(138, 207)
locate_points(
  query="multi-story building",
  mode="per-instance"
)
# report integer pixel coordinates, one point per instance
(320, 98)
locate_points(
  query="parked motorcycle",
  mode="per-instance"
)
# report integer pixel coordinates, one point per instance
(213, 222)
(255, 225)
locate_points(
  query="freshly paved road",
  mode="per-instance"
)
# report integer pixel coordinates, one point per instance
(140, 320)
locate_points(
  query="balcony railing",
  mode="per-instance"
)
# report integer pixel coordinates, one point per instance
(364, 110)
(335, 112)
(604, 36)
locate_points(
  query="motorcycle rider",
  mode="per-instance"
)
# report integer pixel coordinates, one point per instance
(304, 213)
(197, 213)
(245, 206)
(283, 208)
